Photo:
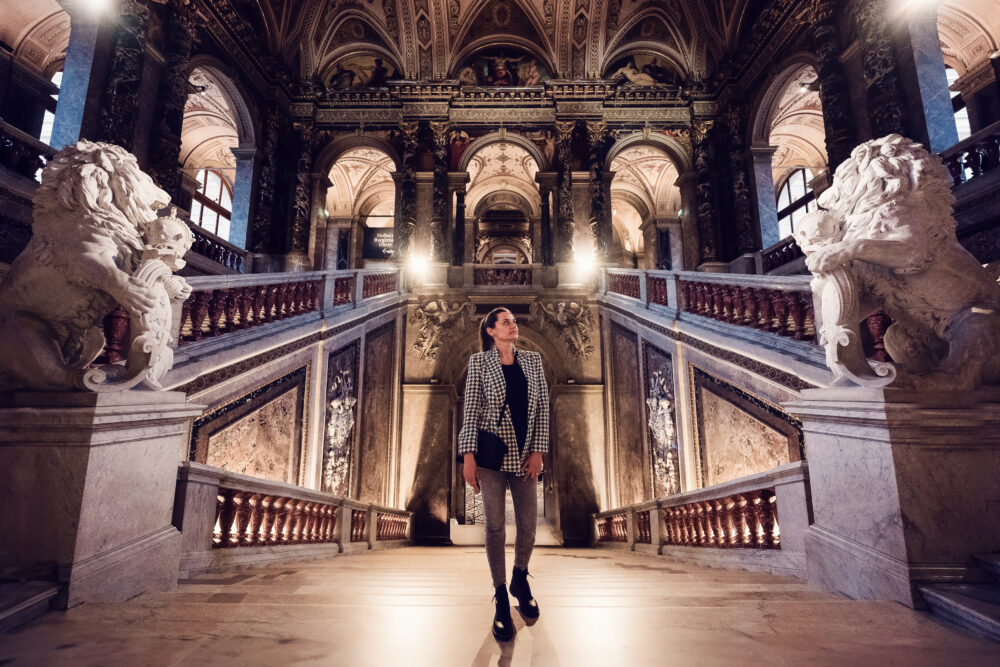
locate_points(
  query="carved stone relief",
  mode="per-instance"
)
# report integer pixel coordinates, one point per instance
(341, 399)
(572, 321)
(660, 404)
(438, 322)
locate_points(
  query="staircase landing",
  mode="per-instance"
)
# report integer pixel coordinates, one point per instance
(431, 606)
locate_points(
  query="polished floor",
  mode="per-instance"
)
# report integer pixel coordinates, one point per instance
(425, 606)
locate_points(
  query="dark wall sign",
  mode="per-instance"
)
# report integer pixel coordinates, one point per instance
(378, 243)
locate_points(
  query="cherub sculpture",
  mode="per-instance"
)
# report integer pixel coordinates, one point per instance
(886, 241)
(434, 319)
(574, 321)
(97, 242)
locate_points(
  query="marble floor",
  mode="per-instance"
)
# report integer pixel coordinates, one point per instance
(431, 606)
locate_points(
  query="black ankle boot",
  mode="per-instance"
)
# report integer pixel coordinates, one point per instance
(519, 588)
(503, 624)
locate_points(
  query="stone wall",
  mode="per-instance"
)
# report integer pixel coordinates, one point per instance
(374, 450)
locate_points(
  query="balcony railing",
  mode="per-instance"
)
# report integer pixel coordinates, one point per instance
(22, 153)
(502, 275)
(975, 156)
(217, 249)
(227, 519)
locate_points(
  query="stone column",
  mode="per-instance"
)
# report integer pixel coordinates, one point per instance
(923, 82)
(121, 93)
(168, 120)
(747, 231)
(687, 242)
(766, 199)
(565, 221)
(260, 238)
(904, 488)
(298, 255)
(92, 480)
(441, 204)
(600, 212)
(457, 182)
(78, 111)
(886, 106)
(337, 247)
(838, 121)
(707, 208)
(406, 191)
(546, 183)
(242, 194)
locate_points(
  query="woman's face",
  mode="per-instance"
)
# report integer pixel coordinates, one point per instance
(505, 328)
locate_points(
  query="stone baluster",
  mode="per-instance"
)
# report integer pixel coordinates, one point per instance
(117, 329)
(216, 312)
(279, 530)
(200, 313)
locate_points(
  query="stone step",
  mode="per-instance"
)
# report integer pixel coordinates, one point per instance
(990, 563)
(24, 601)
(972, 606)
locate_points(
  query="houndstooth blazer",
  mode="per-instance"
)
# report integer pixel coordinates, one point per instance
(485, 391)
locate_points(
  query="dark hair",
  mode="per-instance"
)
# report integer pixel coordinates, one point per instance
(489, 322)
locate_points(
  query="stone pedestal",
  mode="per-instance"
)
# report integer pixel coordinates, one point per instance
(904, 488)
(88, 484)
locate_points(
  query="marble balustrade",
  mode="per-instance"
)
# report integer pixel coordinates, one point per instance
(975, 156)
(730, 524)
(227, 519)
(22, 153)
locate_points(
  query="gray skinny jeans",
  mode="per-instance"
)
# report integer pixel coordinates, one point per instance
(493, 484)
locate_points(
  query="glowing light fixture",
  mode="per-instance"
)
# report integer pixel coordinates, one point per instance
(98, 7)
(419, 266)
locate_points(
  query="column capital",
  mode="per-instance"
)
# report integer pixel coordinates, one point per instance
(458, 179)
(547, 179)
(243, 152)
(763, 152)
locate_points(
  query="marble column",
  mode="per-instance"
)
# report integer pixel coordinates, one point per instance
(547, 182)
(838, 121)
(707, 210)
(923, 80)
(260, 240)
(337, 247)
(78, 112)
(406, 191)
(121, 93)
(441, 205)
(598, 139)
(904, 488)
(168, 120)
(565, 232)
(686, 253)
(886, 106)
(764, 195)
(457, 182)
(242, 195)
(747, 232)
(298, 247)
(94, 477)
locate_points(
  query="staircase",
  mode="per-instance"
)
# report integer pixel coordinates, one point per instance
(24, 601)
(972, 606)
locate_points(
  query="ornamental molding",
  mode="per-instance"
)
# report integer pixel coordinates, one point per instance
(492, 116)
(425, 109)
(354, 116)
(644, 114)
(580, 108)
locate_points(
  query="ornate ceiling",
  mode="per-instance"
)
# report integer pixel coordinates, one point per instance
(429, 38)
(503, 167)
(796, 126)
(361, 183)
(209, 130)
(968, 31)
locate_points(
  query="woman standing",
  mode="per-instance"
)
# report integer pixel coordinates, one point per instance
(504, 433)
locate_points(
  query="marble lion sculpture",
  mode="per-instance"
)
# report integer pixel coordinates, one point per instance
(886, 241)
(97, 241)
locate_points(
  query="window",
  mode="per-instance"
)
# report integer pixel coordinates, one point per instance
(212, 203)
(45, 136)
(958, 105)
(795, 199)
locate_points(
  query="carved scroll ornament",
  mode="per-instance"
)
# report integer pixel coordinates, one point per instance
(886, 241)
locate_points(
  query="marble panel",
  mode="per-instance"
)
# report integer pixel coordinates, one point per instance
(661, 420)
(738, 434)
(341, 419)
(260, 433)
(373, 460)
(426, 460)
(633, 469)
(578, 461)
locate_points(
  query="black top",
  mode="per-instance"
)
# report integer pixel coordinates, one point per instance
(517, 400)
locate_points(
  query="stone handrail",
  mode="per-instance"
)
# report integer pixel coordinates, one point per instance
(784, 251)
(974, 156)
(225, 304)
(22, 153)
(227, 519)
(741, 514)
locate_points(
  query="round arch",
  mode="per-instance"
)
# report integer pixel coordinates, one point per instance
(766, 102)
(232, 89)
(673, 148)
(332, 151)
(510, 137)
(473, 12)
(509, 197)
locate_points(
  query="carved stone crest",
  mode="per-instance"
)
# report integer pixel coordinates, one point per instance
(661, 426)
(339, 427)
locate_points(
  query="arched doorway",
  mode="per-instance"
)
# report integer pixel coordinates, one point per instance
(360, 208)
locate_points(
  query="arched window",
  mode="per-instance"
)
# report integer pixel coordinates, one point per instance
(212, 203)
(795, 199)
(45, 136)
(958, 105)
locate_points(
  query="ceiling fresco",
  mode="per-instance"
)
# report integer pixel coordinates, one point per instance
(209, 130)
(361, 182)
(502, 166)
(796, 126)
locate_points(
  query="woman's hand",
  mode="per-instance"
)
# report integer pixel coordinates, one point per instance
(471, 471)
(532, 467)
